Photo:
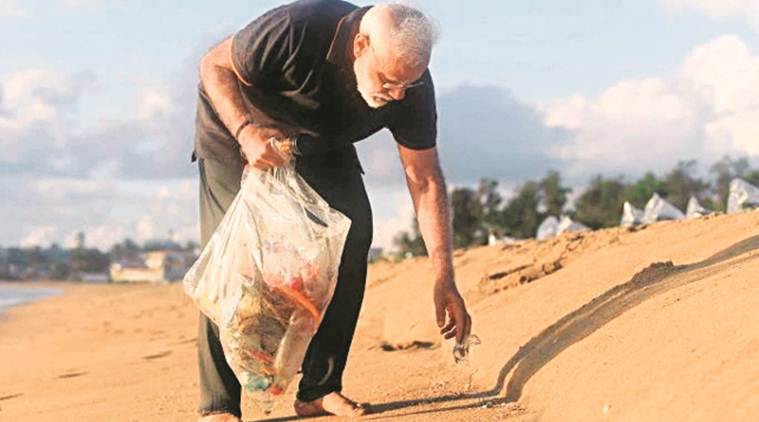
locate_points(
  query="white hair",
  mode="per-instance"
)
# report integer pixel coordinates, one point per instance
(413, 34)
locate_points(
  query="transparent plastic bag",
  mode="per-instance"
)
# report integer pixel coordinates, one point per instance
(566, 224)
(267, 275)
(552, 227)
(694, 209)
(659, 209)
(631, 216)
(547, 228)
(743, 196)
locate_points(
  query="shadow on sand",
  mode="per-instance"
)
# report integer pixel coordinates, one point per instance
(656, 279)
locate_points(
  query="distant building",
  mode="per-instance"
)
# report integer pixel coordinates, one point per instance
(152, 267)
(94, 277)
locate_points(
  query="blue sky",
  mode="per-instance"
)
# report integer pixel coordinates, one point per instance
(96, 101)
(538, 49)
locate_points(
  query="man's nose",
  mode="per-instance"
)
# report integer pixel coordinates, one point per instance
(397, 93)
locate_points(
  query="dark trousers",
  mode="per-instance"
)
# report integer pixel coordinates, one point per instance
(338, 179)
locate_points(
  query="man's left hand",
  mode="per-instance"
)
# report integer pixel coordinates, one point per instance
(449, 301)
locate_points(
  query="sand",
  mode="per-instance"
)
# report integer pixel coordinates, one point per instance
(659, 323)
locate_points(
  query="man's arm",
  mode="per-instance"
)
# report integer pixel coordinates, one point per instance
(220, 81)
(428, 193)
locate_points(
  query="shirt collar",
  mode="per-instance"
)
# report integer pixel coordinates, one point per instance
(346, 30)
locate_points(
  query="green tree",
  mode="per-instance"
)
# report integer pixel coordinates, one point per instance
(680, 184)
(520, 217)
(553, 194)
(752, 177)
(639, 192)
(88, 260)
(492, 202)
(724, 172)
(410, 242)
(600, 205)
(127, 248)
(190, 245)
(467, 213)
(59, 271)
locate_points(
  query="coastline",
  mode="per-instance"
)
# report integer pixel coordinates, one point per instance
(99, 352)
(19, 293)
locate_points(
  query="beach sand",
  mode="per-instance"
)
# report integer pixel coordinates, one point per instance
(659, 323)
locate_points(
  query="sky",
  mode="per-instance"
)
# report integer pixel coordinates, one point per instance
(97, 102)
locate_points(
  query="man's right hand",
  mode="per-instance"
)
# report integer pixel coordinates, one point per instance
(258, 150)
(221, 82)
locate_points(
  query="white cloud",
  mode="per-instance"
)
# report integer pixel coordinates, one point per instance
(719, 9)
(131, 177)
(125, 175)
(42, 132)
(741, 129)
(11, 9)
(78, 4)
(25, 100)
(706, 110)
(37, 116)
(101, 236)
(72, 189)
(41, 236)
(379, 158)
(154, 102)
(107, 210)
(393, 212)
(147, 228)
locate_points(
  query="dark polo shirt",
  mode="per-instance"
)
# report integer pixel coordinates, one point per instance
(297, 76)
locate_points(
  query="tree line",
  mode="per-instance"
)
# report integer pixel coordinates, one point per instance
(55, 262)
(481, 211)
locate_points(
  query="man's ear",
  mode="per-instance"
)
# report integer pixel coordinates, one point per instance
(360, 45)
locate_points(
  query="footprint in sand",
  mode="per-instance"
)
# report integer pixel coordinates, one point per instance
(11, 396)
(411, 345)
(157, 355)
(186, 341)
(72, 375)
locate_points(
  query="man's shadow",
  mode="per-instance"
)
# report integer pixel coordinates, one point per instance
(656, 279)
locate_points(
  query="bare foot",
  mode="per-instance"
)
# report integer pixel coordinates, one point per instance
(332, 404)
(220, 417)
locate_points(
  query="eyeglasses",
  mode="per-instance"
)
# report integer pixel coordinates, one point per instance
(386, 85)
(397, 85)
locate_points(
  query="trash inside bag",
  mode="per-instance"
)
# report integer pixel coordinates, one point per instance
(267, 275)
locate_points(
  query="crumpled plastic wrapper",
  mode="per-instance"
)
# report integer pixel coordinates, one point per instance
(461, 350)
